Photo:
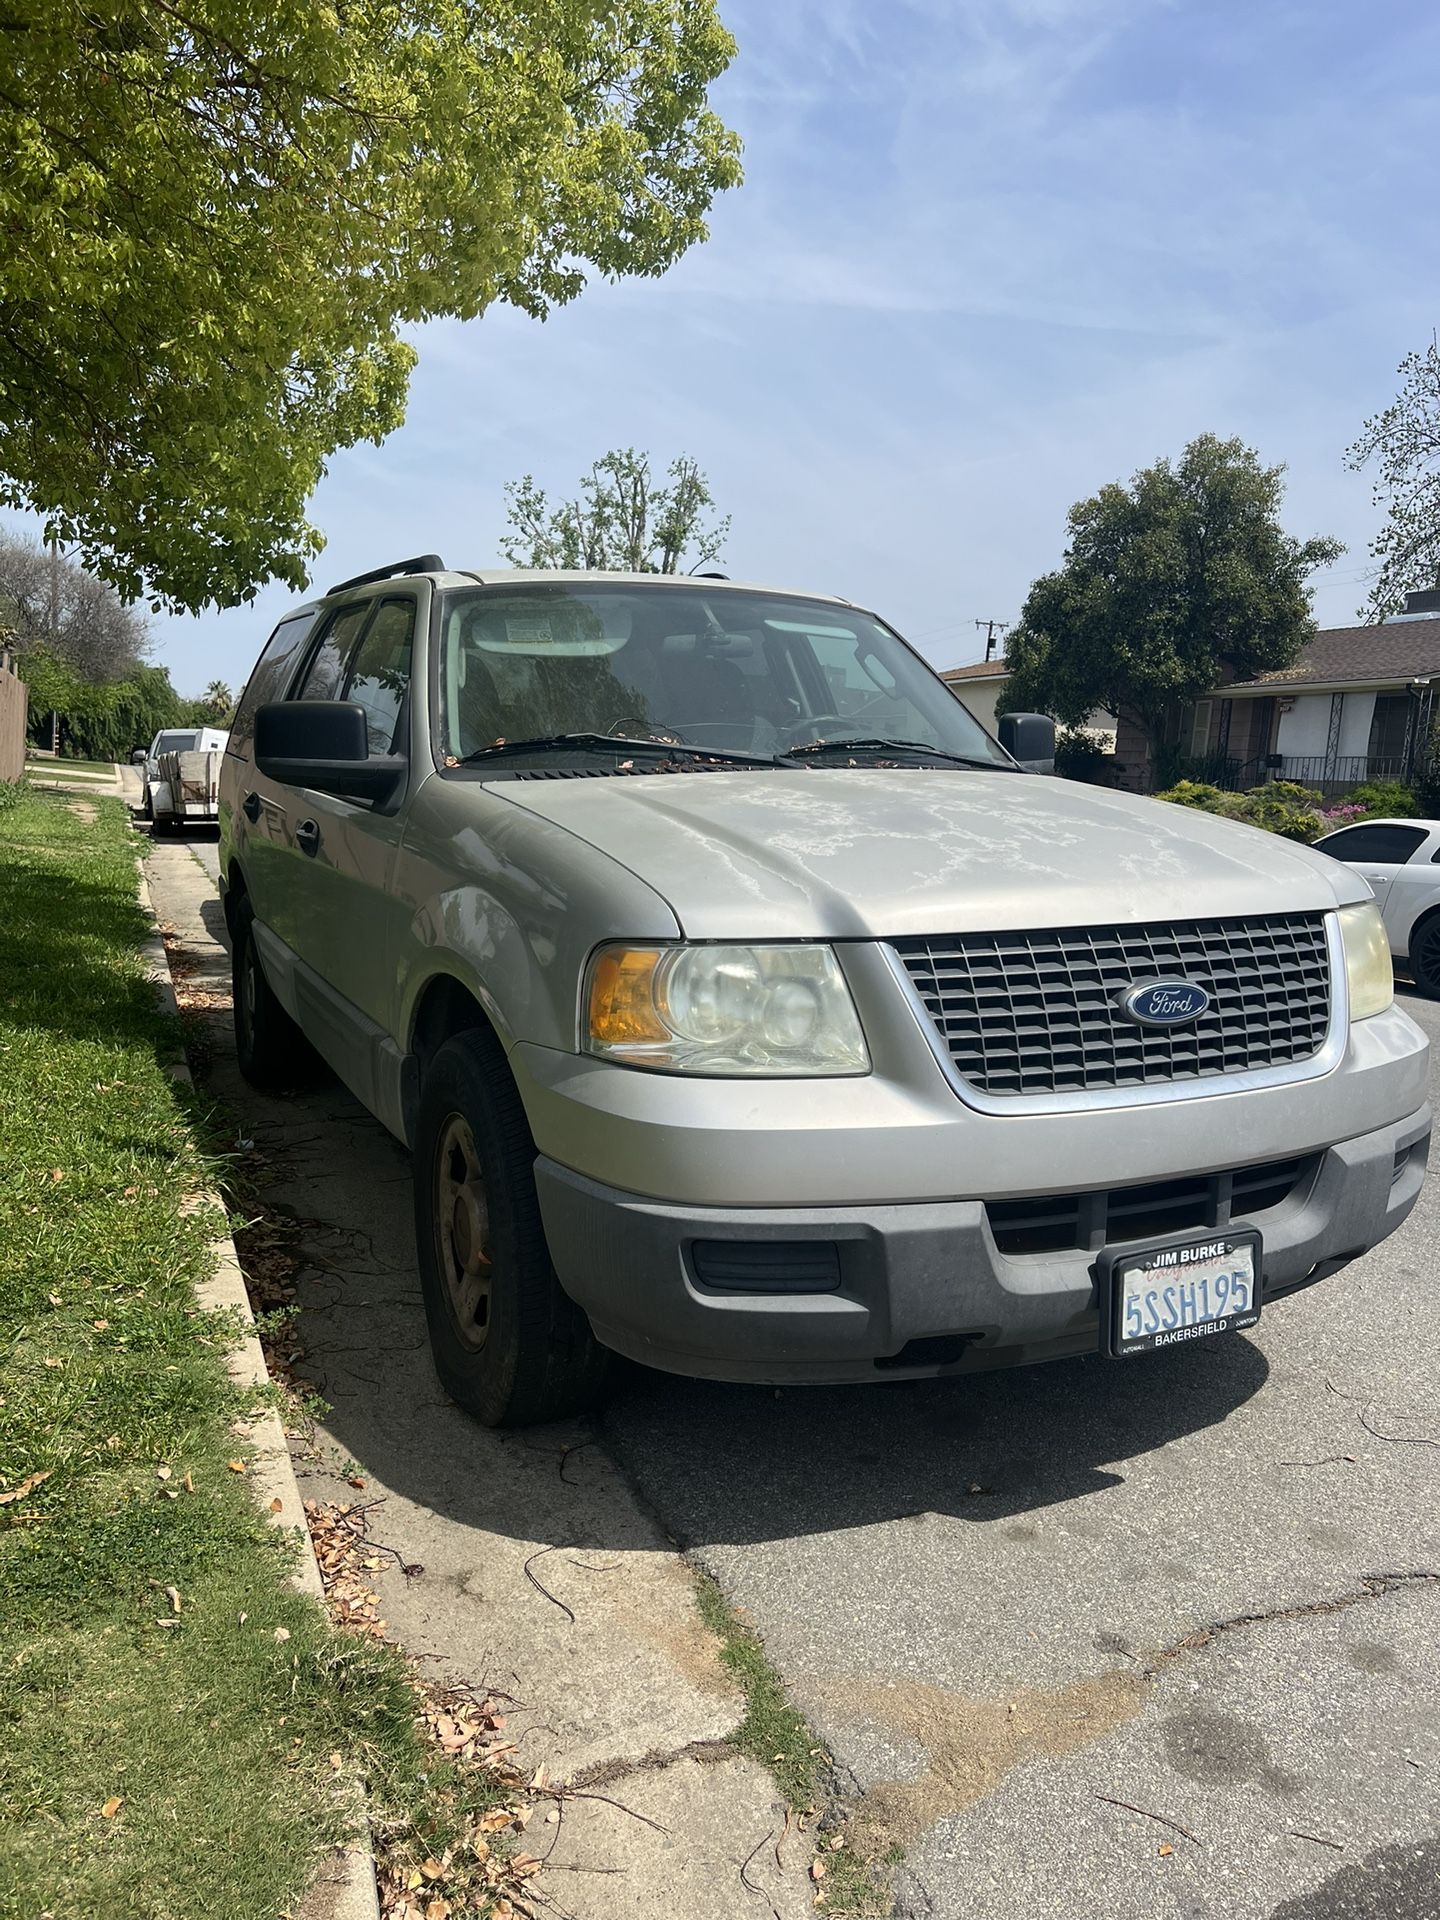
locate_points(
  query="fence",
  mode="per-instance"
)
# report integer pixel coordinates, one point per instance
(13, 702)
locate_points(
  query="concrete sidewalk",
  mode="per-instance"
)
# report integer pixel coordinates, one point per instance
(544, 1576)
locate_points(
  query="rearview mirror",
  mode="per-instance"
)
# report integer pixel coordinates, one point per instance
(138, 757)
(1030, 739)
(323, 745)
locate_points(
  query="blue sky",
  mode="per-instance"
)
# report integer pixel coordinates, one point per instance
(987, 257)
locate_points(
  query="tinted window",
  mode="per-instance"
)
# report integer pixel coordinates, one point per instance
(1390, 846)
(325, 675)
(269, 676)
(379, 674)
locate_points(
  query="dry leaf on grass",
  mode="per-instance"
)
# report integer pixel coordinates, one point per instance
(27, 1485)
(111, 1807)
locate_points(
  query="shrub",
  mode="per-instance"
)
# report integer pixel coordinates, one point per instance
(1427, 784)
(1081, 755)
(1390, 799)
(1280, 807)
(1195, 793)
(12, 792)
(1286, 808)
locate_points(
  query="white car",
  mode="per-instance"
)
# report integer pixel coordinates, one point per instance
(1401, 860)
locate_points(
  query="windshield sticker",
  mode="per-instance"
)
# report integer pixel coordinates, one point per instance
(535, 635)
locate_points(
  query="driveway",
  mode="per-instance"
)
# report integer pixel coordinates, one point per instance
(1139, 1640)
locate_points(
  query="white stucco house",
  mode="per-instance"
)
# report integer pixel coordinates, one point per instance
(1359, 704)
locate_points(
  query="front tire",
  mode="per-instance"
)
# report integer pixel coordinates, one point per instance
(271, 1051)
(509, 1344)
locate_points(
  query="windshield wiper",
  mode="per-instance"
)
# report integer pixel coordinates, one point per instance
(899, 746)
(619, 744)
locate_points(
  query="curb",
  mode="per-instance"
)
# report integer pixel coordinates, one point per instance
(349, 1878)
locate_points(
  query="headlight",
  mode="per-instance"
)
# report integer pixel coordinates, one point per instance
(723, 1010)
(1367, 960)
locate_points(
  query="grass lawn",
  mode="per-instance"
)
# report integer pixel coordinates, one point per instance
(58, 767)
(169, 1706)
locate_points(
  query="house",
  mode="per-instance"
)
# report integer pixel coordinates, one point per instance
(1359, 704)
(979, 688)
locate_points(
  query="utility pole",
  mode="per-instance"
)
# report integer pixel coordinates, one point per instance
(990, 627)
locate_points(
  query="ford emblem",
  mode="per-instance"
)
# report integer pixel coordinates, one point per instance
(1165, 1003)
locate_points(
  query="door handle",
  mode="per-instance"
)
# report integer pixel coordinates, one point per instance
(307, 837)
(250, 806)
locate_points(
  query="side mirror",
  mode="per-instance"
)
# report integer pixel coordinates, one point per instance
(323, 744)
(138, 757)
(1030, 739)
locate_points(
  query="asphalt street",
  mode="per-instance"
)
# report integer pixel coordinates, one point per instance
(1144, 1639)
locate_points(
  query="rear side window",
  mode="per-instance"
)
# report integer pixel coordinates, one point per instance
(1387, 845)
(380, 672)
(269, 677)
(325, 674)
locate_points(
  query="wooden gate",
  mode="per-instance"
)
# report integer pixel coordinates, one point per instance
(13, 700)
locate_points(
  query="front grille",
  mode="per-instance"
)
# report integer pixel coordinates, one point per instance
(1039, 1012)
(1057, 1222)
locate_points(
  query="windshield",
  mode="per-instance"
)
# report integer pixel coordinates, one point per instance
(174, 742)
(719, 668)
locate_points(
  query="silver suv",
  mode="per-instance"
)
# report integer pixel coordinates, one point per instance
(749, 1011)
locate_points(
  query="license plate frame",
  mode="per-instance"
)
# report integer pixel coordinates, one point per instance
(1208, 1251)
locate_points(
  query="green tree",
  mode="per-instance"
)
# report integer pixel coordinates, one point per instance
(1404, 444)
(97, 722)
(219, 217)
(622, 521)
(1165, 584)
(217, 703)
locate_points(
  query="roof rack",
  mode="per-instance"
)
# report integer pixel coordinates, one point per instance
(422, 563)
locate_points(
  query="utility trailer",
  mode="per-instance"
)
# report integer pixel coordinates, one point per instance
(187, 790)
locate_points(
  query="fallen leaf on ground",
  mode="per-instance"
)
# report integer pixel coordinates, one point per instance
(1164, 1849)
(236, 1466)
(162, 1473)
(172, 1594)
(27, 1485)
(111, 1807)
(277, 1506)
(282, 1633)
(817, 1869)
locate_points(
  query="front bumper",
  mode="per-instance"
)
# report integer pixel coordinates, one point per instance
(922, 1286)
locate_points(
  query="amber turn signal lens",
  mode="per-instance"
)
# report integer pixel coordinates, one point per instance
(622, 1004)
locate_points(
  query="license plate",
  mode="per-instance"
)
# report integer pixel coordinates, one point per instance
(1167, 1295)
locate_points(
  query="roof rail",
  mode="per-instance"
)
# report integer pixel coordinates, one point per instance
(422, 563)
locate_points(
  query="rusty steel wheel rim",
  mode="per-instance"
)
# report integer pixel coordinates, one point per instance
(462, 1231)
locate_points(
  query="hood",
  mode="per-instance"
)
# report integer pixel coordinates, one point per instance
(874, 853)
